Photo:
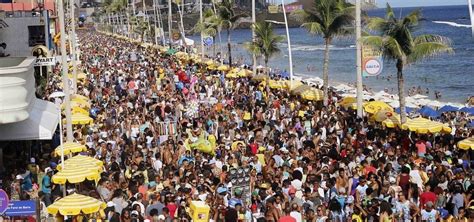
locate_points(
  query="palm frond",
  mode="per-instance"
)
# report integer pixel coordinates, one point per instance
(412, 18)
(426, 50)
(340, 25)
(392, 49)
(389, 14)
(313, 28)
(376, 24)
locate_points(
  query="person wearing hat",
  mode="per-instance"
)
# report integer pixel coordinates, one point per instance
(46, 186)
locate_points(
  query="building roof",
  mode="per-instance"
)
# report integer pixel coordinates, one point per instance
(26, 6)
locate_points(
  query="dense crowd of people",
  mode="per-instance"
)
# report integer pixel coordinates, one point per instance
(156, 115)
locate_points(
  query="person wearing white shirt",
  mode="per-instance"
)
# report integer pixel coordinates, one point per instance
(295, 213)
(157, 164)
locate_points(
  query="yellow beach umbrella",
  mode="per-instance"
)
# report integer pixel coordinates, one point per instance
(260, 77)
(76, 109)
(75, 204)
(392, 122)
(374, 106)
(348, 102)
(382, 115)
(231, 75)
(223, 68)
(300, 89)
(76, 174)
(277, 84)
(81, 102)
(244, 73)
(312, 94)
(81, 160)
(80, 76)
(293, 85)
(70, 147)
(79, 118)
(466, 144)
(79, 96)
(422, 125)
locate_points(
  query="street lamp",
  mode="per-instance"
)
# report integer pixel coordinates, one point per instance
(58, 95)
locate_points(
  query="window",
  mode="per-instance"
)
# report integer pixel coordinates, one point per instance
(36, 35)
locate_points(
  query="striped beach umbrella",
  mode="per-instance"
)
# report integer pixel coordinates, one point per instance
(80, 119)
(466, 144)
(76, 204)
(70, 147)
(423, 125)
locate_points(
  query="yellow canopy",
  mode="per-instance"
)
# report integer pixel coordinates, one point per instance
(79, 96)
(312, 94)
(231, 75)
(76, 174)
(349, 102)
(392, 121)
(244, 73)
(223, 68)
(466, 144)
(300, 89)
(70, 147)
(81, 102)
(293, 85)
(374, 106)
(80, 76)
(79, 118)
(81, 160)
(260, 77)
(77, 109)
(382, 115)
(75, 204)
(422, 125)
(277, 84)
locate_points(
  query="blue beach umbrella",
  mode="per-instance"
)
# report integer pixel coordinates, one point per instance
(427, 111)
(469, 110)
(408, 109)
(447, 108)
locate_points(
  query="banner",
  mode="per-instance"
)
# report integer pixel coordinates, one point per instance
(3, 201)
(372, 61)
(45, 61)
(21, 208)
(273, 9)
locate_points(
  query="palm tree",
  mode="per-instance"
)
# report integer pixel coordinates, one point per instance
(266, 42)
(397, 43)
(209, 26)
(329, 19)
(228, 20)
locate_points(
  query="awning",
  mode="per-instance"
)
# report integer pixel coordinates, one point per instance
(40, 125)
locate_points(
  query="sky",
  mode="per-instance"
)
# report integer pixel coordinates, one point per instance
(415, 3)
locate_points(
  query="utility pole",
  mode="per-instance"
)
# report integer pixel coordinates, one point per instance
(469, 2)
(67, 101)
(254, 57)
(170, 23)
(73, 52)
(359, 60)
(290, 59)
(202, 23)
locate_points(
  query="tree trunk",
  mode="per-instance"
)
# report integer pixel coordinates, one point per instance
(327, 42)
(229, 47)
(401, 91)
(266, 65)
(214, 46)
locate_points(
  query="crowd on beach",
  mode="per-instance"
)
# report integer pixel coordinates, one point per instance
(306, 161)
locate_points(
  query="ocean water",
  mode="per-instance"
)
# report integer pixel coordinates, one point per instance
(452, 75)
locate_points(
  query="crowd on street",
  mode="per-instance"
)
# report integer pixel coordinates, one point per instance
(171, 131)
